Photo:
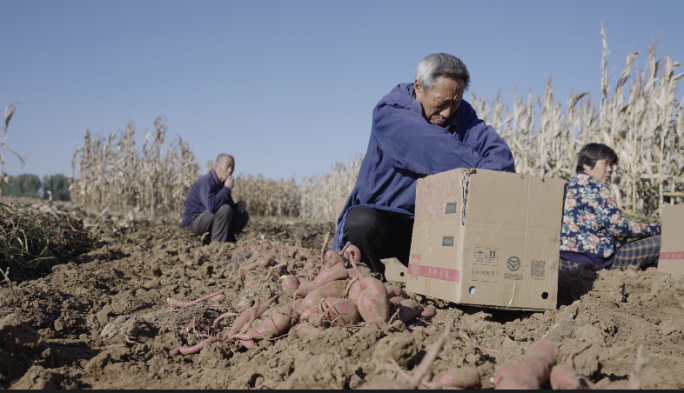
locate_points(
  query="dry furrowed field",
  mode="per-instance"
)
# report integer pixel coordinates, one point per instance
(116, 295)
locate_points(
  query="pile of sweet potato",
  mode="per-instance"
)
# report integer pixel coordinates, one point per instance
(536, 368)
(311, 294)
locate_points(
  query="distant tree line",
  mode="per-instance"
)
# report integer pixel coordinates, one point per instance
(29, 185)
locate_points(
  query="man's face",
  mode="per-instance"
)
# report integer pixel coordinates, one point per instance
(224, 168)
(441, 101)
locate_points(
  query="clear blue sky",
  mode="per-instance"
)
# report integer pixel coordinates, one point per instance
(288, 87)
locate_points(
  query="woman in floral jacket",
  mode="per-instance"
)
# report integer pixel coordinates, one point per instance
(593, 229)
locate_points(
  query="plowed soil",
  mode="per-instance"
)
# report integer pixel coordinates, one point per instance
(102, 321)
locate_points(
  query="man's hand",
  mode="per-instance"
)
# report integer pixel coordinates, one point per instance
(229, 182)
(242, 206)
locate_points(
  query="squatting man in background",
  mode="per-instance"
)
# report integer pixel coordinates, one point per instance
(209, 206)
(419, 129)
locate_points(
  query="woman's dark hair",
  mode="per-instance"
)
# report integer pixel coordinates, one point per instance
(593, 152)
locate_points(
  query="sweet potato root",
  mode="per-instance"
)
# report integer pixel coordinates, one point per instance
(563, 376)
(396, 300)
(530, 366)
(198, 347)
(354, 291)
(544, 349)
(519, 382)
(337, 272)
(290, 285)
(428, 312)
(461, 378)
(309, 312)
(343, 311)
(332, 289)
(275, 324)
(501, 372)
(373, 303)
(305, 329)
(246, 316)
(409, 310)
(333, 258)
(393, 290)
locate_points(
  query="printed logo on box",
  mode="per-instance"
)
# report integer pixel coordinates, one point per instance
(513, 263)
(450, 208)
(448, 241)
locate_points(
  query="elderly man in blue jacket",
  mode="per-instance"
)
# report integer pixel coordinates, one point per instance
(419, 129)
(209, 206)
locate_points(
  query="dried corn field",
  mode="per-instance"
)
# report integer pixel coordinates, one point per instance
(318, 194)
(110, 175)
(643, 124)
(639, 117)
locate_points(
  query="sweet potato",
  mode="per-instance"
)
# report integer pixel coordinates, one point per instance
(373, 303)
(309, 312)
(333, 258)
(290, 285)
(393, 290)
(276, 324)
(343, 311)
(332, 289)
(519, 382)
(305, 288)
(298, 305)
(306, 329)
(462, 378)
(337, 272)
(501, 372)
(429, 312)
(264, 262)
(246, 316)
(532, 366)
(249, 344)
(354, 291)
(197, 347)
(563, 376)
(544, 349)
(409, 310)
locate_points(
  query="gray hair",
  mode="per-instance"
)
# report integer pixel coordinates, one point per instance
(224, 155)
(441, 64)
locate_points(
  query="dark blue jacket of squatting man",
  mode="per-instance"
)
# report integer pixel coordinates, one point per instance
(404, 147)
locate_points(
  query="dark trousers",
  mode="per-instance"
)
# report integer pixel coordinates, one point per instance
(222, 225)
(379, 234)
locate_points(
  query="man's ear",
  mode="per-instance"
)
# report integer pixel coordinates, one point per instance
(418, 88)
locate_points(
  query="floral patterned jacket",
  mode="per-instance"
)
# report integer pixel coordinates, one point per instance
(592, 223)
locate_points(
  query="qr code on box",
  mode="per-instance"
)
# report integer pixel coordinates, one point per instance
(538, 269)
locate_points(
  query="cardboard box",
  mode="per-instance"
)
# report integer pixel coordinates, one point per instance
(672, 246)
(487, 238)
(395, 271)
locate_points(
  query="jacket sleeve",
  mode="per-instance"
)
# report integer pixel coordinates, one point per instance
(610, 216)
(495, 152)
(212, 200)
(409, 143)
